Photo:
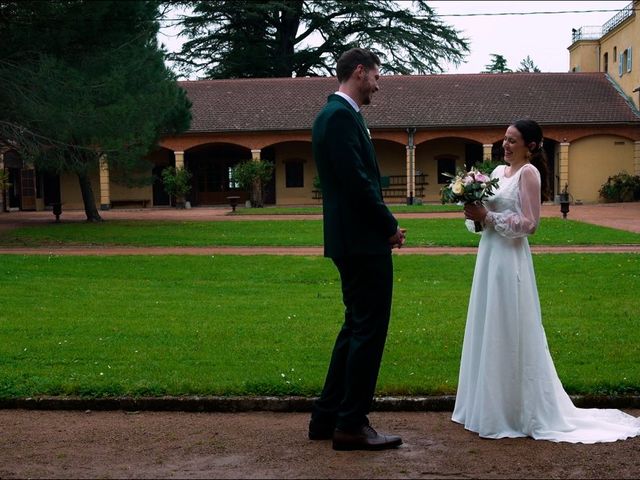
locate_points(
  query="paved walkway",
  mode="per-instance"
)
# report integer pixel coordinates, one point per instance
(624, 216)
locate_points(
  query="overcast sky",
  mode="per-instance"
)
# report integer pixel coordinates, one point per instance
(544, 37)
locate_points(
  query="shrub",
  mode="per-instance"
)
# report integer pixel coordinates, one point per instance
(621, 187)
(253, 175)
(177, 183)
(487, 166)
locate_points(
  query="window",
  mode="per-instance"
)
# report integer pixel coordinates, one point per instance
(605, 61)
(446, 164)
(621, 64)
(628, 59)
(615, 54)
(232, 183)
(294, 173)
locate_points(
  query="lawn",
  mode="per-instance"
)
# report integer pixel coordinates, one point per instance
(421, 232)
(180, 325)
(425, 208)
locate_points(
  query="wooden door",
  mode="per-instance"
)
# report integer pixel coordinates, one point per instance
(28, 189)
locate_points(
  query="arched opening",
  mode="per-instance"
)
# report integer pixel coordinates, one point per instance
(211, 166)
(161, 159)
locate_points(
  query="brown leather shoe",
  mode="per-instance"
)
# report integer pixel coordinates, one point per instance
(365, 438)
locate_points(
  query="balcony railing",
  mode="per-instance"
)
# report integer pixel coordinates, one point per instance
(595, 32)
(586, 33)
(618, 18)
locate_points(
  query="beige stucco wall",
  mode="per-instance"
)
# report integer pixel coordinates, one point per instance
(583, 56)
(294, 196)
(588, 55)
(426, 154)
(71, 197)
(70, 194)
(627, 35)
(392, 157)
(120, 192)
(592, 160)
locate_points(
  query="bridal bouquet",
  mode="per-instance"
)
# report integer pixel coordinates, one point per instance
(468, 187)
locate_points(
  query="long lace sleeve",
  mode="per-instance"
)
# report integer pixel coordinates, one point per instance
(525, 219)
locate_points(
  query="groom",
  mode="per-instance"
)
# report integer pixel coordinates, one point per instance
(359, 233)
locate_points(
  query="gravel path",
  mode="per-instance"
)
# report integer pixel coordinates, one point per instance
(63, 444)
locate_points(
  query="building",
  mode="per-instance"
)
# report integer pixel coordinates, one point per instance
(422, 126)
(610, 49)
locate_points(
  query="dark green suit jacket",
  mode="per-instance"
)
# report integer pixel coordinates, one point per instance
(356, 219)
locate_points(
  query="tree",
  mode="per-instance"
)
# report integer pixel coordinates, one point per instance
(82, 81)
(284, 38)
(177, 183)
(253, 175)
(498, 65)
(527, 65)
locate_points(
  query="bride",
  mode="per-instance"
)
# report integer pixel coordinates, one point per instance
(508, 385)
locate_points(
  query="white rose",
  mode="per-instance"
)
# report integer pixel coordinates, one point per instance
(457, 188)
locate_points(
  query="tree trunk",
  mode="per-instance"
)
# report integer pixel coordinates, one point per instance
(90, 208)
(287, 31)
(256, 194)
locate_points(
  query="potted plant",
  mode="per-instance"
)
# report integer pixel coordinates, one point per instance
(177, 184)
(253, 175)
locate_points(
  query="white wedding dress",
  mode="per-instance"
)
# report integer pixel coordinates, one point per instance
(508, 385)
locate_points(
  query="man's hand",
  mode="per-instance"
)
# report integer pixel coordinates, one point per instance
(398, 239)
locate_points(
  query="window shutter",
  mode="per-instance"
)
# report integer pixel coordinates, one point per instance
(621, 64)
(629, 59)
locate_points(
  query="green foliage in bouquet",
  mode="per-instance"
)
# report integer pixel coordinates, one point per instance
(487, 166)
(468, 187)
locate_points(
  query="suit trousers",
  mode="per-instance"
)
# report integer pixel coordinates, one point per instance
(367, 287)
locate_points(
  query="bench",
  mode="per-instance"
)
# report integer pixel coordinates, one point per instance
(389, 192)
(130, 202)
(401, 192)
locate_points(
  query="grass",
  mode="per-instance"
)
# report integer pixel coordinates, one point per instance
(425, 208)
(180, 325)
(421, 232)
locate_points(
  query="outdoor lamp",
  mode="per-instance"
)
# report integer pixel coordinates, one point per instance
(564, 201)
(233, 202)
(57, 210)
(564, 207)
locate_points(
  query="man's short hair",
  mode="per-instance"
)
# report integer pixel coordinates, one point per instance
(350, 59)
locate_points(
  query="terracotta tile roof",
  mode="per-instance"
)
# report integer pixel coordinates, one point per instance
(429, 101)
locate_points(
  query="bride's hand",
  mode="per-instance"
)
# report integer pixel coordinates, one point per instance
(474, 212)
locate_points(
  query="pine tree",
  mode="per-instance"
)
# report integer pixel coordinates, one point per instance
(85, 80)
(284, 38)
(527, 65)
(498, 65)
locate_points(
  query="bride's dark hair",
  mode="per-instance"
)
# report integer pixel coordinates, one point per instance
(532, 133)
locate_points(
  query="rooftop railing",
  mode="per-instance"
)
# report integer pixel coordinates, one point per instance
(586, 33)
(618, 18)
(595, 32)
